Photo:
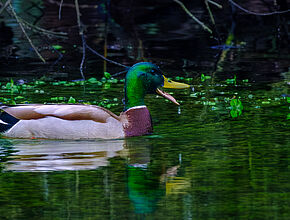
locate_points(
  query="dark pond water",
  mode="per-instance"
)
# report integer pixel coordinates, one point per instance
(223, 154)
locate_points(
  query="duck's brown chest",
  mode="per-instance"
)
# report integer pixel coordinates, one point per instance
(138, 122)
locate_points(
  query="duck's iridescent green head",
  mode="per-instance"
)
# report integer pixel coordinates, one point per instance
(145, 78)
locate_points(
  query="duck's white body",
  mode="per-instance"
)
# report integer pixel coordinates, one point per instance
(57, 128)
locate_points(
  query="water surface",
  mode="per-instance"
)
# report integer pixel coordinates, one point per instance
(203, 161)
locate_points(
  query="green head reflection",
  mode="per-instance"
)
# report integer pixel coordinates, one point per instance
(144, 189)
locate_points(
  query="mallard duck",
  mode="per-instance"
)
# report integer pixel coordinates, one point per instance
(76, 121)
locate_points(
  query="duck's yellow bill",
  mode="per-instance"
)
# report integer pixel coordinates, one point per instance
(169, 84)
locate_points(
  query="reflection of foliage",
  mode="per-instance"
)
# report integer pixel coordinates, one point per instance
(236, 107)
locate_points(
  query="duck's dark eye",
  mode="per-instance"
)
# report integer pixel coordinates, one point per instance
(152, 71)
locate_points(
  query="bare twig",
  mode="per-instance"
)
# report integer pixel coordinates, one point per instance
(35, 28)
(105, 53)
(41, 30)
(81, 33)
(79, 16)
(24, 32)
(192, 16)
(84, 56)
(4, 6)
(100, 55)
(59, 10)
(210, 13)
(71, 5)
(256, 13)
(215, 4)
(120, 73)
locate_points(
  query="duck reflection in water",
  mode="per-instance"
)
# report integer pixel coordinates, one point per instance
(148, 178)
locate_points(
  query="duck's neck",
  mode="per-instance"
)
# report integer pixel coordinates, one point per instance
(134, 93)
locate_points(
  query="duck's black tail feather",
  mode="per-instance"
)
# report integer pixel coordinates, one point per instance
(6, 121)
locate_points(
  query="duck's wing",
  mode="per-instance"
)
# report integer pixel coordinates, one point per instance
(63, 111)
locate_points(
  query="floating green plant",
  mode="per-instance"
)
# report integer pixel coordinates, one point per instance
(57, 47)
(232, 81)
(57, 99)
(107, 85)
(93, 80)
(71, 100)
(39, 82)
(107, 75)
(204, 77)
(9, 101)
(236, 107)
(11, 87)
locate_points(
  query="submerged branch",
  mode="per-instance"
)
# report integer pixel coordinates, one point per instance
(192, 16)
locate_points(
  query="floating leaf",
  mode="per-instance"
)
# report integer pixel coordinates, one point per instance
(19, 97)
(202, 77)
(54, 99)
(236, 107)
(107, 75)
(232, 81)
(39, 82)
(12, 102)
(71, 100)
(8, 86)
(107, 86)
(57, 47)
